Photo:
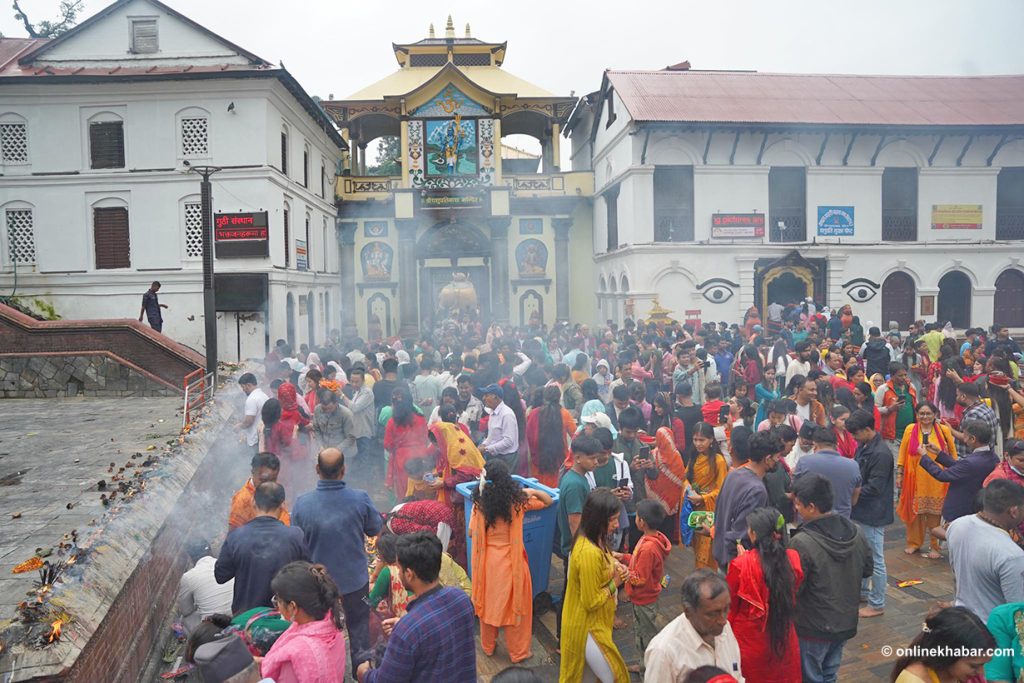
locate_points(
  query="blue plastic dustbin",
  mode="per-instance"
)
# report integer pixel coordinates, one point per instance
(538, 531)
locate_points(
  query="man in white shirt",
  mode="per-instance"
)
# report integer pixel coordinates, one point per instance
(502, 442)
(801, 365)
(362, 407)
(199, 594)
(254, 400)
(700, 636)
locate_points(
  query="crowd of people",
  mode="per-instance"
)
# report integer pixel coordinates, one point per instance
(779, 454)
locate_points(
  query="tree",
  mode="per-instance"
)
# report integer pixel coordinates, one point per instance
(389, 154)
(69, 10)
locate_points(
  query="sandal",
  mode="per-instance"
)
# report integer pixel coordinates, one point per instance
(933, 555)
(910, 551)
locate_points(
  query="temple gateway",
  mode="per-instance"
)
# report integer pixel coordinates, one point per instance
(464, 224)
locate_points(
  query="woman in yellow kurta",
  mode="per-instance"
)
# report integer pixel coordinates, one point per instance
(920, 494)
(705, 477)
(590, 597)
(502, 589)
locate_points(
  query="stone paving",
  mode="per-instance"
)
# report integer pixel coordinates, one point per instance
(862, 657)
(53, 452)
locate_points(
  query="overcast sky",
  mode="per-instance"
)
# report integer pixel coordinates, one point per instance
(341, 46)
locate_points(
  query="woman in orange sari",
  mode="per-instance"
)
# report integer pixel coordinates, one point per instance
(705, 475)
(920, 494)
(502, 587)
(405, 438)
(458, 461)
(667, 487)
(548, 432)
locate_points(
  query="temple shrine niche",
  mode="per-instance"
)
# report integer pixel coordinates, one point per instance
(460, 212)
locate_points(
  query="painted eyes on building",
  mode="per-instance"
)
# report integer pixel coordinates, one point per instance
(717, 290)
(861, 289)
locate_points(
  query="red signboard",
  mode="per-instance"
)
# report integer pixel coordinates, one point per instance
(730, 225)
(241, 234)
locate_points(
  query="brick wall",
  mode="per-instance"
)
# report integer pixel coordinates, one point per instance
(52, 375)
(128, 342)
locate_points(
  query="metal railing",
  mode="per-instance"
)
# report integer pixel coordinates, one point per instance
(198, 387)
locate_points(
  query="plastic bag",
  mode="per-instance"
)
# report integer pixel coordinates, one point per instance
(685, 531)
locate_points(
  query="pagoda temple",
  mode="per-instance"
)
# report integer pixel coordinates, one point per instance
(464, 225)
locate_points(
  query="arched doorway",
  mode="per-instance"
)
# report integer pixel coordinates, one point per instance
(955, 300)
(1009, 302)
(289, 309)
(786, 287)
(898, 293)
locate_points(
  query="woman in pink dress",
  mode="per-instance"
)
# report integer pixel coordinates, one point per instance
(312, 649)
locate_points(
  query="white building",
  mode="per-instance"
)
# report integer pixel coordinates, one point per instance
(98, 128)
(709, 187)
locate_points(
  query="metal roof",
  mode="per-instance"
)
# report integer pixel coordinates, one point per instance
(769, 98)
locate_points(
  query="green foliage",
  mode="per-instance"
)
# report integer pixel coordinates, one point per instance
(389, 154)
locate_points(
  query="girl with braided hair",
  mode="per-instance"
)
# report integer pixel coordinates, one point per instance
(762, 586)
(312, 649)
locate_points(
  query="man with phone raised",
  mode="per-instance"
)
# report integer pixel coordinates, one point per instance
(899, 403)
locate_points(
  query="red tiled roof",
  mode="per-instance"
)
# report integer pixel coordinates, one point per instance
(747, 97)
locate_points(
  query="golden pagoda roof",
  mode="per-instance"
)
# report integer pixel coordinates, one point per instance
(490, 78)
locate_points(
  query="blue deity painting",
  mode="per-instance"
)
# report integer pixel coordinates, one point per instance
(451, 147)
(377, 258)
(532, 258)
(449, 102)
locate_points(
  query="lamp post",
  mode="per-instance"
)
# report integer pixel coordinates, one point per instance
(209, 306)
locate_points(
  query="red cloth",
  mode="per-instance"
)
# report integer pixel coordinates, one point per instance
(404, 443)
(710, 411)
(748, 616)
(646, 568)
(751, 373)
(845, 443)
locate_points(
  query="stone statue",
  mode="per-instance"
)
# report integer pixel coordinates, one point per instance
(459, 294)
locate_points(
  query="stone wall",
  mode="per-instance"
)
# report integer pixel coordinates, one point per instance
(50, 376)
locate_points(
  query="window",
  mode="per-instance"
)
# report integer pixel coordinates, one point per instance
(287, 241)
(323, 246)
(673, 203)
(1010, 204)
(611, 203)
(144, 36)
(193, 230)
(309, 246)
(111, 235)
(284, 152)
(195, 140)
(13, 143)
(21, 239)
(305, 167)
(899, 204)
(106, 144)
(611, 108)
(323, 179)
(787, 206)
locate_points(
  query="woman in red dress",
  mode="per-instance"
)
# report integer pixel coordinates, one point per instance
(405, 438)
(762, 588)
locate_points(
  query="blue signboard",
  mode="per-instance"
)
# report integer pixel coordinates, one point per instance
(835, 221)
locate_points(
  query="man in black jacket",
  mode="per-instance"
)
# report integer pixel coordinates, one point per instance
(876, 353)
(873, 511)
(835, 558)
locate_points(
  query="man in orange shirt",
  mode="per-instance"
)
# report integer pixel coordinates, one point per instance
(265, 467)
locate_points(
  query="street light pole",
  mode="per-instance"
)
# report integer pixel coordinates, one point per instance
(209, 305)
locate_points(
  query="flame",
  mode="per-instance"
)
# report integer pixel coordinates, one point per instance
(72, 560)
(55, 630)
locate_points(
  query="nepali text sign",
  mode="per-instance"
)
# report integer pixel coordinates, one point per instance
(835, 221)
(726, 225)
(301, 255)
(956, 216)
(241, 234)
(444, 200)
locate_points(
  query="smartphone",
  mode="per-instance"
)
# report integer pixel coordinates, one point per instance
(623, 483)
(645, 453)
(723, 414)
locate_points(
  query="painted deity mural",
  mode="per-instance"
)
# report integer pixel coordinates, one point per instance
(451, 143)
(532, 259)
(377, 259)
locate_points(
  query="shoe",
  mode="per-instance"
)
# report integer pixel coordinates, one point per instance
(868, 612)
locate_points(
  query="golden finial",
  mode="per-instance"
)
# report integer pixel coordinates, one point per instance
(431, 30)
(468, 34)
(449, 29)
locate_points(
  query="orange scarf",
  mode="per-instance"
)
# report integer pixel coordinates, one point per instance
(667, 489)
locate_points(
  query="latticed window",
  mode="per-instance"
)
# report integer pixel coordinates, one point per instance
(194, 137)
(14, 143)
(193, 230)
(21, 240)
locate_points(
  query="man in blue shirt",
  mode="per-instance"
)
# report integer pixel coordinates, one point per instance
(254, 552)
(335, 520)
(434, 640)
(151, 307)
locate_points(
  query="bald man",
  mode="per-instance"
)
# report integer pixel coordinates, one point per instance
(335, 520)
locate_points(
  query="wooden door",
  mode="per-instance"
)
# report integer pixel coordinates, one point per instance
(898, 295)
(1009, 301)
